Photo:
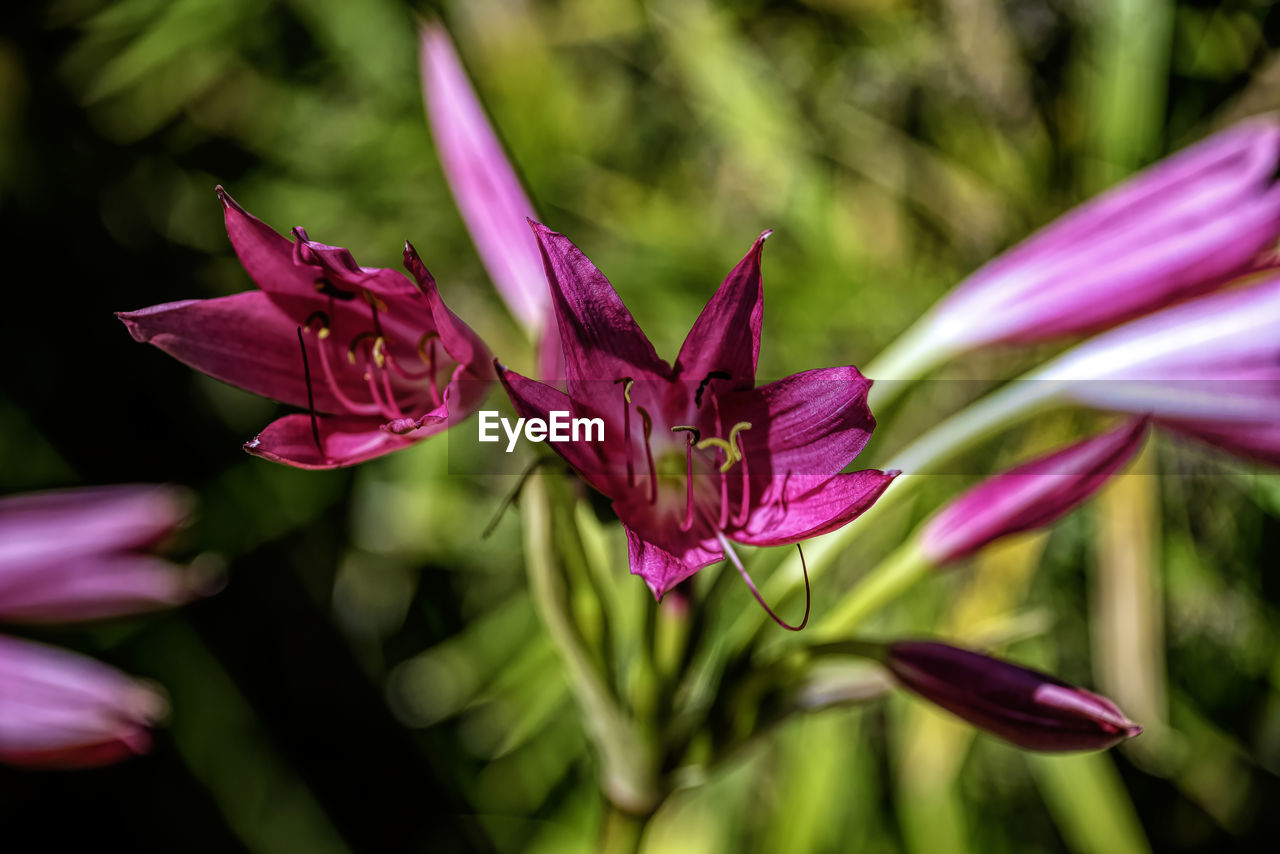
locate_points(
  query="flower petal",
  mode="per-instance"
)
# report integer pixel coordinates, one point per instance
(661, 569)
(66, 710)
(42, 528)
(93, 587)
(726, 335)
(811, 423)
(486, 188)
(245, 340)
(1183, 227)
(1031, 495)
(268, 257)
(601, 340)
(460, 341)
(533, 399)
(343, 441)
(799, 507)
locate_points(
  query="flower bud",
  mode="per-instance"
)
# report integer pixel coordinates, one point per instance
(1024, 707)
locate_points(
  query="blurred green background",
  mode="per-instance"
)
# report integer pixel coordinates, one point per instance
(374, 677)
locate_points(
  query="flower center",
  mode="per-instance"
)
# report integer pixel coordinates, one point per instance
(368, 352)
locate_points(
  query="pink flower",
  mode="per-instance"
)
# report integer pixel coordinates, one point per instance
(1185, 226)
(485, 186)
(489, 195)
(79, 555)
(1033, 710)
(382, 360)
(62, 710)
(1031, 495)
(1209, 368)
(695, 454)
(82, 554)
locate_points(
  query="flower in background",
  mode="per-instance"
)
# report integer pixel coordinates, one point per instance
(79, 555)
(1209, 368)
(489, 195)
(1029, 496)
(695, 454)
(1032, 710)
(378, 361)
(1185, 226)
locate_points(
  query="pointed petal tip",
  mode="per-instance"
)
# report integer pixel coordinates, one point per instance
(228, 202)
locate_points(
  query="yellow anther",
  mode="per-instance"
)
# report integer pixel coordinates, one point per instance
(627, 383)
(685, 428)
(422, 346)
(357, 341)
(730, 452)
(322, 318)
(729, 446)
(374, 301)
(379, 356)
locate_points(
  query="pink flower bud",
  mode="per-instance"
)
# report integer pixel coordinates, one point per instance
(1029, 709)
(1029, 496)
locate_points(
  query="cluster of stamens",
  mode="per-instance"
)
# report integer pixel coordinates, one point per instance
(379, 362)
(730, 451)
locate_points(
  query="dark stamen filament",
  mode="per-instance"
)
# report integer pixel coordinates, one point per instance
(702, 386)
(648, 453)
(733, 558)
(688, 474)
(626, 426)
(744, 506)
(311, 401)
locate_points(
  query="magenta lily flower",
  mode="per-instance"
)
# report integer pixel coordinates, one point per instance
(1209, 368)
(488, 192)
(62, 710)
(84, 554)
(1030, 709)
(1029, 496)
(378, 361)
(1183, 227)
(696, 455)
(81, 555)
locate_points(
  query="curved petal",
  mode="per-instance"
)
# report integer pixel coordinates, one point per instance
(486, 188)
(245, 340)
(1030, 495)
(66, 710)
(43, 528)
(601, 340)
(726, 335)
(343, 441)
(533, 399)
(94, 587)
(268, 257)
(460, 341)
(800, 507)
(661, 569)
(811, 423)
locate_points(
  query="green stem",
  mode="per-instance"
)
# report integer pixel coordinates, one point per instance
(894, 576)
(1013, 402)
(912, 355)
(628, 772)
(622, 832)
